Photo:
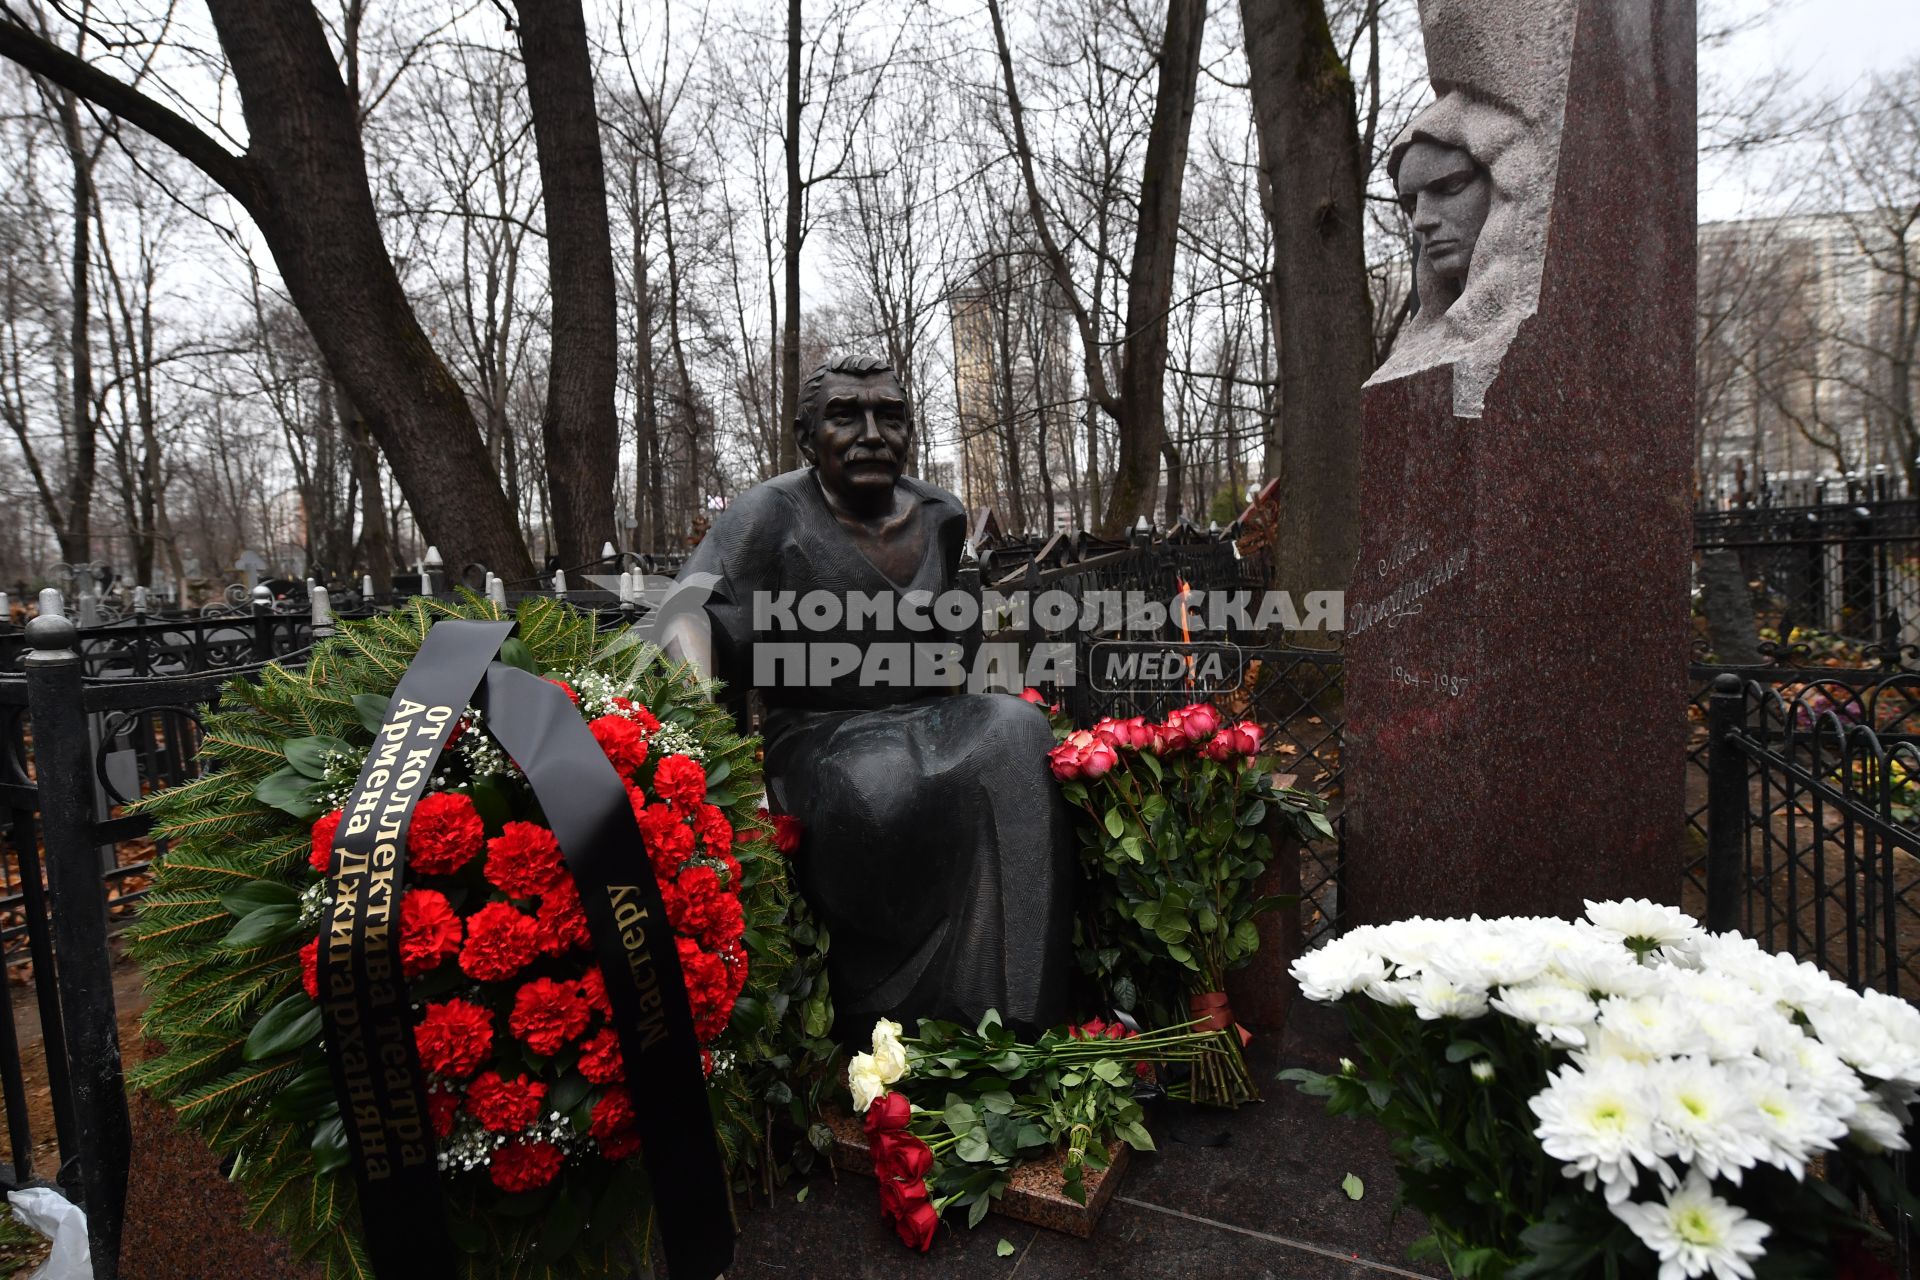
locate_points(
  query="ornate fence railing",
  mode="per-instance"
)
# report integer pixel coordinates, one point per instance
(1812, 822)
(1846, 568)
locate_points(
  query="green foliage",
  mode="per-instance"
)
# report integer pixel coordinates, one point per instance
(1225, 506)
(987, 1102)
(1173, 846)
(219, 939)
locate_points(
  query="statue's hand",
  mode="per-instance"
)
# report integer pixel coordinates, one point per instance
(687, 640)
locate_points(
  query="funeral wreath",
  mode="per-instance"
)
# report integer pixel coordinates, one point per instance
(467, 867)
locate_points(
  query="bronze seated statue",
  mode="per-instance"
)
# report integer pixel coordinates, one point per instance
(936, 848)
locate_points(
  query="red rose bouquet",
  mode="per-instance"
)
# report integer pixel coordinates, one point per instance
(533, 1122)
(951, 1113)
(1172, 842)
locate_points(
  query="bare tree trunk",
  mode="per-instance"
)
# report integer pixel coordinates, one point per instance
(1136, 407)
(304, 181)
(76, 531)
(790, 319)
(580, 429)
(1311, 160)
(647, 510)
(376, 534)
(1143, 361)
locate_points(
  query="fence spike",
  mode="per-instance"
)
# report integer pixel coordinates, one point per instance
(51, 605)
(322, 614)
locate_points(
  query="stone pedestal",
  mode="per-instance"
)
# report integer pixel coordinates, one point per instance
(184, 1220)
(1517, 618)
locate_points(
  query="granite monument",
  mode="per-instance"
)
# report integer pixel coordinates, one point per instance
(1518, 612)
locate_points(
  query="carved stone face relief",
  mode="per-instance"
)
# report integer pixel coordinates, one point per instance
(1475, 172)
(1445, 193)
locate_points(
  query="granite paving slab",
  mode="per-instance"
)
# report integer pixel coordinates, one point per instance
(1265, 1202)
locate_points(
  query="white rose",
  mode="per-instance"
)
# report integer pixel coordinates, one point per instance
(864, 1078)
(889, 1055)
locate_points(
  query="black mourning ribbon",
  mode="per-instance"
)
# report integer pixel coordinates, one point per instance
(364, 1004)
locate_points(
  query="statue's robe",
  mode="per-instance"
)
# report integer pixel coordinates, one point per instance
(936, 847)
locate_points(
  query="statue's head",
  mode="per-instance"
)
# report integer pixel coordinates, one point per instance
(1446, 194)
(853, 425)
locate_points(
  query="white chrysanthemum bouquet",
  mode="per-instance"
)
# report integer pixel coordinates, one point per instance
(1622, 1092)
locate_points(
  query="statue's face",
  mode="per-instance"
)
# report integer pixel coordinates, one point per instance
(860, 438)
(1446, 196)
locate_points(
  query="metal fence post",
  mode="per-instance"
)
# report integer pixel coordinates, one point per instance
(1726, 803)
(262, 607)
(63, 761)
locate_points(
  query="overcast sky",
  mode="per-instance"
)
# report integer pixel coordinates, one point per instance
(1834, 46)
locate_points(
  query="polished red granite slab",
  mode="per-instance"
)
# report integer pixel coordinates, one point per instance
(184, 1220)
(1515, 725)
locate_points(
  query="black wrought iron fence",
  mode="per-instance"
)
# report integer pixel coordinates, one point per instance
(1812, 841)
(1847, 569)
(1295, 694)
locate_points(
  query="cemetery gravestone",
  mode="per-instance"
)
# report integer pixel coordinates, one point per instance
(1727, 602)
(1517, 617)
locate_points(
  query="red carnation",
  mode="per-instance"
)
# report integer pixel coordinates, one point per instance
(612, 1125)
(622, 1146)
(600, 1060)
(429, 931)
(565, 688)
(612, 1113)
(621, 741)
(310, 968)
(525, 1166)
(454, 1038)
(707, 989)
(697, 907)
(637, 713)
(524, 859)
(668, 838)
(593, 989)
(442, 1107)
(786, 833)
(547, 1014)
(446, 834)
(680, 779)
(502, 1105)
(562, 923)
(711, 825)
(321, 859)
(501, 941)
